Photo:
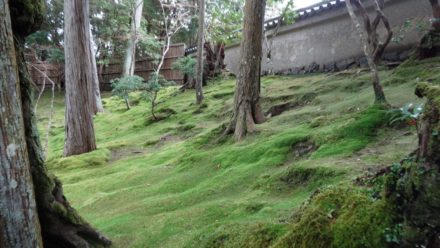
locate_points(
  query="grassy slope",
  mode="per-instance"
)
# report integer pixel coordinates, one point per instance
(168, 184)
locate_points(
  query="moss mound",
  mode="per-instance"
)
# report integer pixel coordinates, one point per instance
(339, 217)
(257, 235)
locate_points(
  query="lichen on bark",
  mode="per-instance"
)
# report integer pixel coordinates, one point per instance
(61, 225)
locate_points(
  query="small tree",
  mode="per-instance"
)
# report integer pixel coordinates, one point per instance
(151, 88)
(187, 65)
(372, 46)
(122, 87)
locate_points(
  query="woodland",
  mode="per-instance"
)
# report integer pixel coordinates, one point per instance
(220, 160)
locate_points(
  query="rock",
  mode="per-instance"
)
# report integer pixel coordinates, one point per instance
(392, 57)
(330, 67)
(314, 67)
(404, 55)
(345, 64)
(362, 61)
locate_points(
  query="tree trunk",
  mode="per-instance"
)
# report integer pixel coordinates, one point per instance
(96, 91)
(372, 47)
(61, 226)
(379, 95)
(130, 55)
(19, 224)
(200, 44)
(80, 134)
(247, 108)
(220, 57)
(429, 125)
(436, 14)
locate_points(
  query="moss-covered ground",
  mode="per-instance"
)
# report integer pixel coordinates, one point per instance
(173, 184)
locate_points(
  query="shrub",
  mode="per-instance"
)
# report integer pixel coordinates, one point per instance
(122, 87)
(186, 65)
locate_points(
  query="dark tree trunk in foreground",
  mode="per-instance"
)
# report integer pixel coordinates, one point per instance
(61, 226)
(436, 14)
(80, 134)
(247, 109)
(19, 224)
(200, 43)
(372, 46)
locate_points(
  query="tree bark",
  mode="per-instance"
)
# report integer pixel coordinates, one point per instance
(130, 55)
(200, 45)
(61, 226)
(436, 14)
(372, 47)
(80, 134)
(429, 125)
(247, 108)
(96, 91)
(19, 224)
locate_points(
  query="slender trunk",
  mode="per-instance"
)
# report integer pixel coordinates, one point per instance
(153, 105)
(127, 103)
(200, 43)
(377, 87)
(373, 49)
(96, 91)
(130, 55)
(247, 108)
(80, 134)
(19, 223)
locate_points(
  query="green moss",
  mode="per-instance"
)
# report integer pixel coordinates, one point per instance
(355, 135)
(258, 235)
(339, 217)
(96, 158)
(193, 188)
(413, 189)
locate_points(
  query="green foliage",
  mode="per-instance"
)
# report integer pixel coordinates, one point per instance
(122, 87)
(151, 88)
(187, 65)
(409, 113)
(421, 26)
(56, 56)
(224, 20)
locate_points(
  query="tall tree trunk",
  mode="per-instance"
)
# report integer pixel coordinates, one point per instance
(436, 14)
(247, 108)
(96, 91)
(61, 226)
(130, 55)
(19, 224)
(200, 44)
(80, 133)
